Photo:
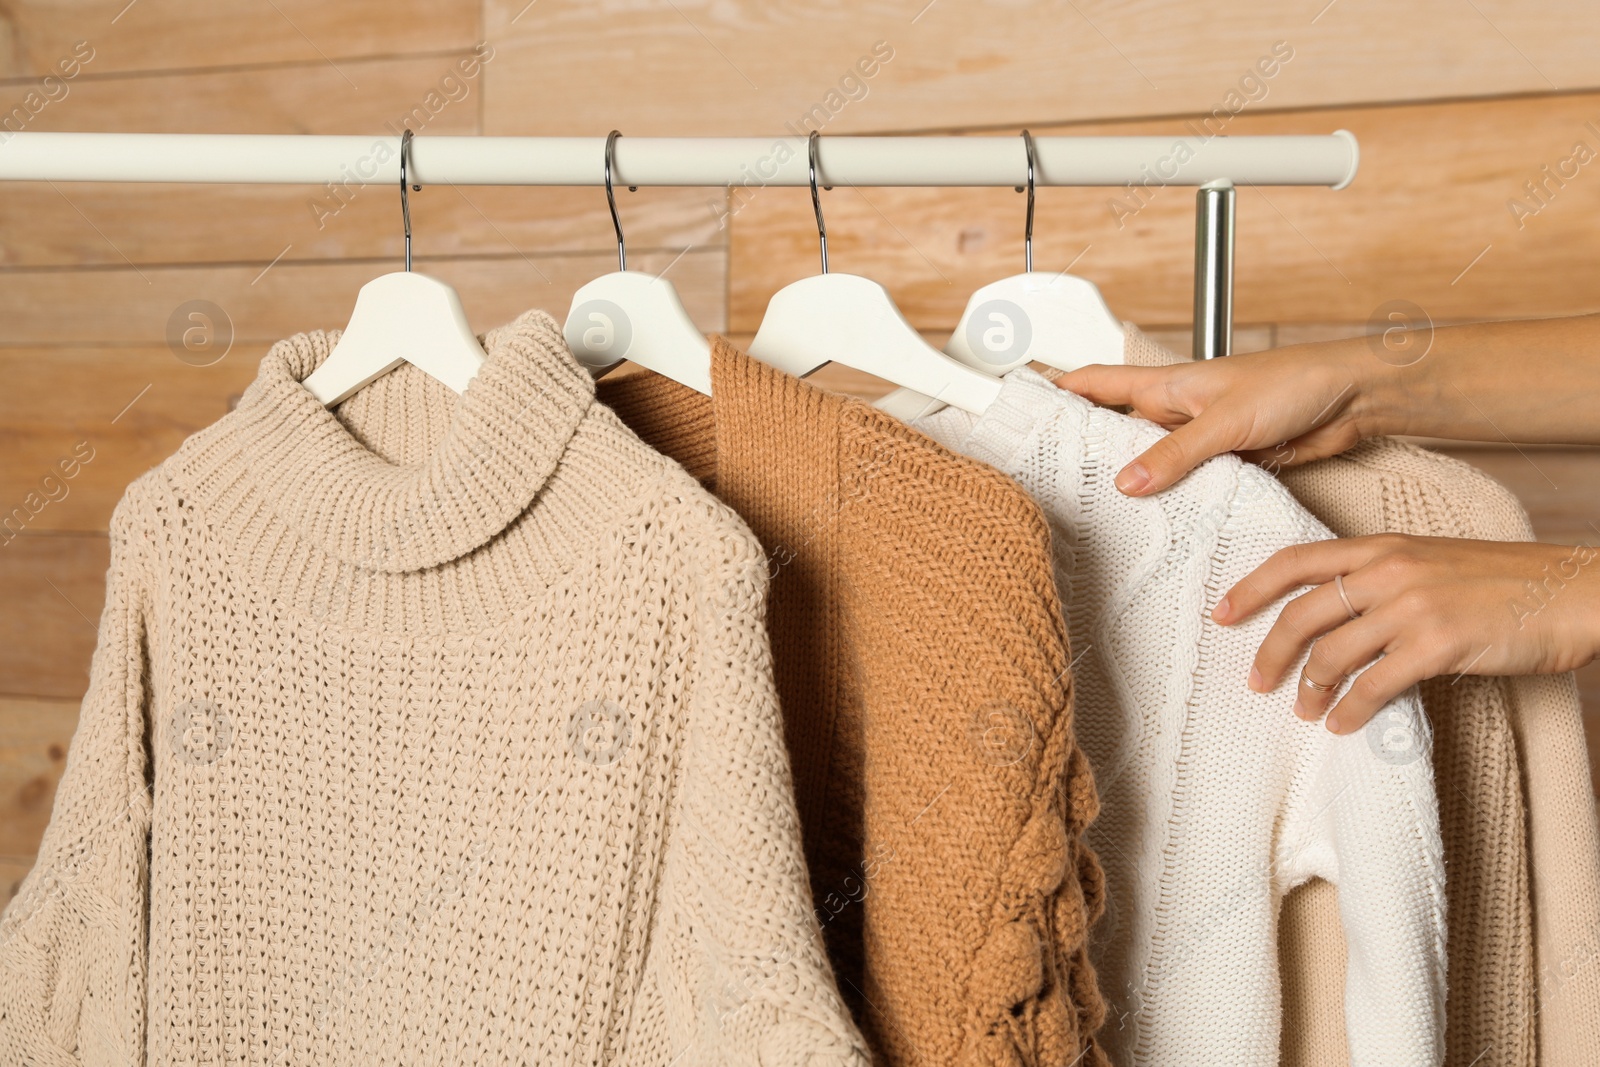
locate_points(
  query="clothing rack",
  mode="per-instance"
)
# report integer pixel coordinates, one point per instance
(1215, 164)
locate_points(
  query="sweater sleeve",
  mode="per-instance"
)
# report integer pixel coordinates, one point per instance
(72, 942)
(737, 964)
(1364, 816)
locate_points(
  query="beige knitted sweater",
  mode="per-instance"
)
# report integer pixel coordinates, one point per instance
(1515, 807)
(430, 731)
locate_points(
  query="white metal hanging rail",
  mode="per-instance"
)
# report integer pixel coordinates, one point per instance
(905, 161)
(1215, 164)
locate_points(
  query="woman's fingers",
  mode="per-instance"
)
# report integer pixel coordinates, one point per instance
(1425, 607)
(1107, 384)
(1194, 439)
(1302, 620)
(1176, 454)
(1285, 404)
(1297, 565)
(1337, 655)
(1375, 687)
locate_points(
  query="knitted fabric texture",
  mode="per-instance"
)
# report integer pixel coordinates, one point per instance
(1515, 802)
(1215, 800)
(923, 672)
(433, 730)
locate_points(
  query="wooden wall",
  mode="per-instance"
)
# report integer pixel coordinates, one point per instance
(1458, 106)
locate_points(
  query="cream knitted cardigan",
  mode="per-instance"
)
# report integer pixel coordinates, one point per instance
(1215, 800)
(1516, 809)
(433, 731)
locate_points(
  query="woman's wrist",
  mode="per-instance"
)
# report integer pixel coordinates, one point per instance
(1523, 381)
(1376, 396)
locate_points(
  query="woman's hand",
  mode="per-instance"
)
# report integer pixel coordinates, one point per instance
(1531, 380)
(1428, 606)
(1278, 408)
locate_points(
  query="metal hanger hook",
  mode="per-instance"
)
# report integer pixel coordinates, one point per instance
(405, 201)
(611, 198)
(816, 201)
(1027, 235)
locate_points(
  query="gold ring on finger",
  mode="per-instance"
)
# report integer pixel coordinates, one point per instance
(1307, 681)
(1338, 583)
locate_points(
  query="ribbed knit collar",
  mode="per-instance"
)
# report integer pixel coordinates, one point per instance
(504, 438)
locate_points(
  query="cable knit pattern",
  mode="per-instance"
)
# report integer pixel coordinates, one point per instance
(926, 687)
(1215, 800)
(430, 730)
(1516, 809)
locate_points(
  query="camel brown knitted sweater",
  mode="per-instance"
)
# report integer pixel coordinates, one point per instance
(925, 682)
(435, 731)
(1515, 807)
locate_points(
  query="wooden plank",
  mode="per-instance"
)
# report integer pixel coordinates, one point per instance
(84, 225)
(34, 735)
(377, 96)
(264, 303)
(751, 66)
(12, 870)
(52, 586)
(78, 424)
(190, 34)
(1426, 221)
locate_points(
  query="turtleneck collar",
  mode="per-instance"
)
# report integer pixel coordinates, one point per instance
(475, 474)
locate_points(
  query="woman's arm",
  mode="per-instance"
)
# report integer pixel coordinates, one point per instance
(1536, 380)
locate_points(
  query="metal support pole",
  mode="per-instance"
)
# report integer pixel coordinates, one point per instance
(1213, 270)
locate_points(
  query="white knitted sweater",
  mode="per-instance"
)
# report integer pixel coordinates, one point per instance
(429, 731)
(1216, 800)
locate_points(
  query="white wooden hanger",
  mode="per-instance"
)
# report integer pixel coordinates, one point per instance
(401, 317)
(852, 320)
(635, 316)
(1057, 319)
